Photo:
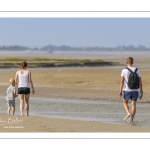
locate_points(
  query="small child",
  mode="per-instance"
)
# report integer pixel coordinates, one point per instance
(10, 98)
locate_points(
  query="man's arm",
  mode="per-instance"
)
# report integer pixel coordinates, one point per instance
(121, 85)
(141, 88)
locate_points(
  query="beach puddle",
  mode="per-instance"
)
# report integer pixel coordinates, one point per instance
(111, 112)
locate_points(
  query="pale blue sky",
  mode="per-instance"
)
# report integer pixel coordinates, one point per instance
(108, 32)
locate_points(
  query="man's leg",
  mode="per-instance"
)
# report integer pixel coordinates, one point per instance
(126, 107)
(133, 110)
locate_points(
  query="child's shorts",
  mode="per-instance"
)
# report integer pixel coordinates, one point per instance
(11, 103)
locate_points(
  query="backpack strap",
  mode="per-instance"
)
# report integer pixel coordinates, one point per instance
(131, 70)
(136, 70)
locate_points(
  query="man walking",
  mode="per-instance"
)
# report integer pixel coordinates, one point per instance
(129, 84)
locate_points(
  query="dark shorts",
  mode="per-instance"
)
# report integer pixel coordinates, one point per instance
(133, 95)
(24, 90)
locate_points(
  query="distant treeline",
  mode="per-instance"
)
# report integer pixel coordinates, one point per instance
(68, 48)
(13, 48)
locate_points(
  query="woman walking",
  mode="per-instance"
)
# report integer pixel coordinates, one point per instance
(23, 81)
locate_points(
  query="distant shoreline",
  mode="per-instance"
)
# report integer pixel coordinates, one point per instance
(54, 62)
(58, 64)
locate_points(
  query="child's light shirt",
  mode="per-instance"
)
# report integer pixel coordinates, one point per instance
(10, 93)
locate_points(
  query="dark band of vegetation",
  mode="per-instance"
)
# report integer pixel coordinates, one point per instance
(51, 62)
(37, 59)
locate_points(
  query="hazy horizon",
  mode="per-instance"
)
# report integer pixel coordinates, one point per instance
(73, 46)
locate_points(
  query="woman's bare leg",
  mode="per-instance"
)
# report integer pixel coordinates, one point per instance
(21, 97)
(27, 103)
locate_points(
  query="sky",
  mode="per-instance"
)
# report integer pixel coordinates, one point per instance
(78, 32)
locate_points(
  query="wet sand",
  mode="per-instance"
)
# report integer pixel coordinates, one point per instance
(91, 83)
(41, 124)
(100, 111)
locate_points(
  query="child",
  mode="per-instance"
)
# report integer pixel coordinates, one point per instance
(10, 98)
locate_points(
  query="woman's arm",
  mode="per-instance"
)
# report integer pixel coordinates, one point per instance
(31, 83)
(16, 79)
(15, 93)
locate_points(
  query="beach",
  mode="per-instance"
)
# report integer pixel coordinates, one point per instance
(41, 124)
(74, 83)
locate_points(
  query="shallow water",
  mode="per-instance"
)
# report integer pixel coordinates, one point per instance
(77, 54)
(88, 110)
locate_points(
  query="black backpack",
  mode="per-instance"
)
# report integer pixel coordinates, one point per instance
(133, 80)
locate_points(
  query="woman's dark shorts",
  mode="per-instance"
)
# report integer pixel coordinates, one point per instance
(24, 90)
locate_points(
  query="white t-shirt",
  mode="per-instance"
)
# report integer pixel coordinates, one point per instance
(125, 73)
